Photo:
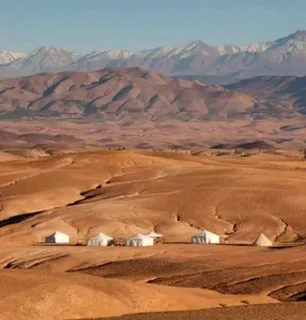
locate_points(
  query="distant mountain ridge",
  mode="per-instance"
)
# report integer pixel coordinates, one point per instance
(286, 89)
(118, 94)
(215, 64)
(134, 94)
(43, 59)
(8, 57)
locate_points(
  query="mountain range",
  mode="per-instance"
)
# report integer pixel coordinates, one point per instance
(284, 90)
(134, 94)
(222, 64)
(136, 108)
(7, 57)
(118, 94)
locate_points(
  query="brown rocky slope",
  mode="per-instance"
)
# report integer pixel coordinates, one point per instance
(118, 94)
(285, 90)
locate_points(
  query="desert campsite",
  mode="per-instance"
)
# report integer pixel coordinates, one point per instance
(152, 214)
(153, 160)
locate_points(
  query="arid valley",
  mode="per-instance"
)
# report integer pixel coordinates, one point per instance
(123, 193)
(121, 153)
(152, 160)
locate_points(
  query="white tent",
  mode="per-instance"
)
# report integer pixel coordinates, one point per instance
(57, 237)
(154, 235)
(206, 237)
(140, 240)
(100, 239)
(263, 241)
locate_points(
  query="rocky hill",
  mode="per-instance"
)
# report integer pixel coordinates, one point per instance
(118, 94)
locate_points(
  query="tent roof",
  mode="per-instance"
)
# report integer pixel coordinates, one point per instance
(205, 233)
(102, 235)
(262, 239)
(140, 237)
(153, 234)
(58, 233)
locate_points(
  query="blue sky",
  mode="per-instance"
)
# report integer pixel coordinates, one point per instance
(86, 25)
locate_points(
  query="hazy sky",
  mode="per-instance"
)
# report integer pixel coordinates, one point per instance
(86, 25)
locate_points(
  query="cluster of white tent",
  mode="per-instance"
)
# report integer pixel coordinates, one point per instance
(148, 239)
(101, 239)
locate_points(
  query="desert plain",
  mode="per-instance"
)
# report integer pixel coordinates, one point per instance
(122, 193)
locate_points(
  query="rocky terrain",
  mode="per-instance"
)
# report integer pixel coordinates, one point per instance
(123, 193)
(290, 89)
(134, 108)
(131, 95)
(118, 94)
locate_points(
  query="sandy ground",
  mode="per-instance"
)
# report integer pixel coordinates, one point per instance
(147, 134)
(122, 193)
(49, 296)
(292, 311)
(85, 282)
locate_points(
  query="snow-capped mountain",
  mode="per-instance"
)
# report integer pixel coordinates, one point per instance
(295, 43)
(42, 59)
(284, 56)
(228, 49)
(179, 52)
(100, 59)
(47, 59)
(7, 57)
(166, 59)
(110, 54)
